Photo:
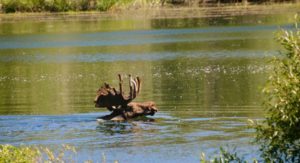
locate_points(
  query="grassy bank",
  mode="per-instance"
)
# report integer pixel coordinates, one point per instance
(9, 6)
(12, 6)
(156, 13)
(29, 154)
(39, 154)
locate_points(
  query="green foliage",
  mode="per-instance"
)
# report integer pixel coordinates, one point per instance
(34, 5)
(104, 5)
(9, 6)
(25, 154)
(225, 157)
(57, 5)
(279, 134)
(16, 5)
(10, 153)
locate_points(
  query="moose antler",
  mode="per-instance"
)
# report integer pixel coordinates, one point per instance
(112, 99)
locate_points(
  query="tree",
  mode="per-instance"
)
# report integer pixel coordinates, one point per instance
(279, 133)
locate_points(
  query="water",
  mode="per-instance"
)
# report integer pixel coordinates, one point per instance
(205, 74)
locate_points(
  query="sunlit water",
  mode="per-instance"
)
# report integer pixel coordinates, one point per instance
(205, 75)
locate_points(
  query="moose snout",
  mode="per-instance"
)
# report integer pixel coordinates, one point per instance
(155, 109)
(97, 105)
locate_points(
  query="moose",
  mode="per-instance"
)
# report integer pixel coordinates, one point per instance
(121, 106)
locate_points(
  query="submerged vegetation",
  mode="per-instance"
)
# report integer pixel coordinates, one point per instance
(9, 6)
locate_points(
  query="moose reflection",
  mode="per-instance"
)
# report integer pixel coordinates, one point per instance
(121, 106)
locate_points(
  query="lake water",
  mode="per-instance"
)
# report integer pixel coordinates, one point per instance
(205, 74)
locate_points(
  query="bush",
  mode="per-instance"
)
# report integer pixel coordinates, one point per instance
(25, 154)
(10, 153)
(224, 157)
(57, 5)
(279, 134)
(104, 5)
(9, 6)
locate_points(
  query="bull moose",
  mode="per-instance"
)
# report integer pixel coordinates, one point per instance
(121, 106)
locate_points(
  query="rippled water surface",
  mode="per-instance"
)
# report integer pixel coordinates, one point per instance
(205, 74)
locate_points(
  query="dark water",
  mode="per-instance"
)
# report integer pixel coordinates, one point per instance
(205, 75)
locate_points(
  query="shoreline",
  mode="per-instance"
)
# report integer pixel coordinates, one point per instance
(155, 13)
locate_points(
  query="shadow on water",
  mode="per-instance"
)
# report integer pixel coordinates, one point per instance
(112, 127)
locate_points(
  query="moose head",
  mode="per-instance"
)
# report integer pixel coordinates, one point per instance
(112, 99)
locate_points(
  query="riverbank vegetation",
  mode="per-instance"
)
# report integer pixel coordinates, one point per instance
(29, 154)
(9, 153)
(11, 6)
(278, 135)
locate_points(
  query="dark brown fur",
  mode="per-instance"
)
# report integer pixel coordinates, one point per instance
(133, 110)
(121, 106)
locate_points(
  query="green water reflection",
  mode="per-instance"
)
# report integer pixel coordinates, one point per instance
(196, 84)
(205, 75)
(187, 65)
